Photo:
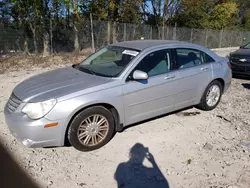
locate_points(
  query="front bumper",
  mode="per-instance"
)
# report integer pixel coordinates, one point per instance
(241, 68)
(32, 132)
(239, 73)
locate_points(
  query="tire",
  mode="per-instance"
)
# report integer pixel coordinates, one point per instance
(85, 124)
(204, 104)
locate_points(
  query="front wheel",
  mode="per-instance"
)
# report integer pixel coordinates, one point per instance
(211, 96)
(91, 129)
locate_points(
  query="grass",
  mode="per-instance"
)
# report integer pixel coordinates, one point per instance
(15, 62)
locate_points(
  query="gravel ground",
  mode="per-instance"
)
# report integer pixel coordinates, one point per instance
(191, 148)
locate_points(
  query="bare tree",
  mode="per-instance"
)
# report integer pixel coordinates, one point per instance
(45, 18)
(76, 18)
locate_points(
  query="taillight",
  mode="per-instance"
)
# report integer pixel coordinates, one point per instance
(229, 65)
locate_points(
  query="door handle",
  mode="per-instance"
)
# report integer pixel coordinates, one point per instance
(204, 68)
(169, 77)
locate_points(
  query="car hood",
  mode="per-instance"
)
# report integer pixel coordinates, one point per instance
(55, 84)
(241, 52)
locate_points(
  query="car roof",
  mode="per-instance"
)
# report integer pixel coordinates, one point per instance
(143, 44)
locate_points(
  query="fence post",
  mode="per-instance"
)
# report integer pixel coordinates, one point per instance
(151, 32)
(221, 36)
(144, 33)
(51, 39)
(231, 41)
(241, 38)
(92, 34)
(167, 33)
(163, 32)
(159, 32)
(133, 35)
(108, 37)
(206, 37)
(124, 31)
(174, 33)
(191, 35)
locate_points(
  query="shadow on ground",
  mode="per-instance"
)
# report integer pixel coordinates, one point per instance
(246, 85)
(177, 112)
(133, 174)
(241, 77)
(11, 174)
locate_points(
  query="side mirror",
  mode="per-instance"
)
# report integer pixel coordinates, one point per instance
(241, 47)
(140, 75)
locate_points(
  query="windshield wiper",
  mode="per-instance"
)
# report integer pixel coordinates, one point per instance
(88, 69)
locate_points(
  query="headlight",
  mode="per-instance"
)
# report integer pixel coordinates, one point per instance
(39, 109)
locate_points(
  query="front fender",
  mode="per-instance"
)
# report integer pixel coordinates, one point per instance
(68, 108)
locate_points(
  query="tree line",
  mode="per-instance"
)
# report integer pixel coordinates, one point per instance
(33, 17)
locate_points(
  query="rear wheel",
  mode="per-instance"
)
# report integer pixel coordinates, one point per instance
(91, 129)
(211, 96)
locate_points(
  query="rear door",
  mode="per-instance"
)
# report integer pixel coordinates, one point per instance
(194, 75)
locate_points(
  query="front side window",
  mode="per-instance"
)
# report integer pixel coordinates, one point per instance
(156, 63)
(189, 58)
(109, 61)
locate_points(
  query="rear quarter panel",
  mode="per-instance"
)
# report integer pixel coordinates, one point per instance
(222, 70)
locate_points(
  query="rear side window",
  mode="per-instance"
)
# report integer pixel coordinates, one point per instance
(208, 59)
(189, 58)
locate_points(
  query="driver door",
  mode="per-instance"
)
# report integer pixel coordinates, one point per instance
(155, 96)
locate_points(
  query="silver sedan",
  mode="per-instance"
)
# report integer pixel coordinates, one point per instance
(119, 85)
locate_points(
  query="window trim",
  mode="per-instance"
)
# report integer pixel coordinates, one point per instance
(128, 77)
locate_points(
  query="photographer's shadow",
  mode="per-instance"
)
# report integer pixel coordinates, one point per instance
(133, 174)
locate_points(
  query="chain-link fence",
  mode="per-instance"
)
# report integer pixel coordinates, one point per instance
(96, 34)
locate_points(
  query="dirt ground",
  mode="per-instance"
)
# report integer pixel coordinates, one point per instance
(191, 148)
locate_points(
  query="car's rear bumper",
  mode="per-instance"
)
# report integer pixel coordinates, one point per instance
(32, 133)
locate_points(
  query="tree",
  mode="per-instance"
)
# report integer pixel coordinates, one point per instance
(4, 10)
(130, 11)
(34, 23)
(194, 13)
(224, 15)
(32, 16)
(244, 13)
(21, 13)
(45, 22)
(75, 22)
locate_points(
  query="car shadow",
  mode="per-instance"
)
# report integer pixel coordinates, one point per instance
(133, 174)
(67, 143)
(241, 77)
(157, 117)
(246, 85)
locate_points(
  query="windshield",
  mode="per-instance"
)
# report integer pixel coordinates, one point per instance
(247, 46)
(109, 61)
